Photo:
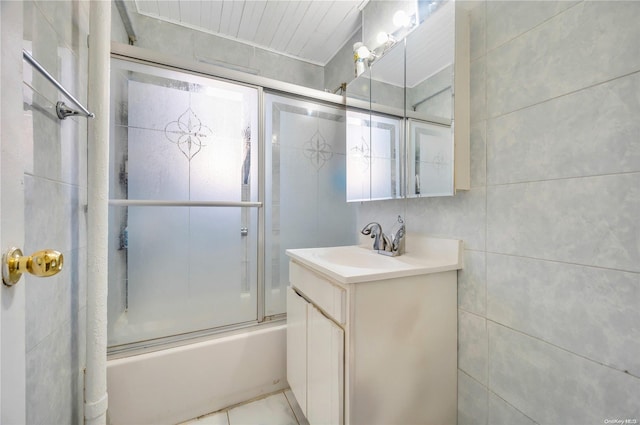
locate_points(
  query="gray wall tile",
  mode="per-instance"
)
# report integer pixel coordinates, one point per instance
(52, 380)
(502, 413)
(551, 59)
(507, 21)
(163, 36)
(588, 311)
(60, 17)
(341, 69)
(478, 87)
(472, 401)
(591, 220)
(553, 386)
(478, 154)
(118, 31)
(48, 305)
(590, 132)
(458, 217)
(472, 282)
(385, 213)
(472, 345)
(283, 68)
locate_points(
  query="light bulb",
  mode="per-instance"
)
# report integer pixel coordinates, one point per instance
(363, 52)
(400, 19)
(382, 38)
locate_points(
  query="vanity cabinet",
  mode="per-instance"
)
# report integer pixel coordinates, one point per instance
(315, 361)
(372, 352)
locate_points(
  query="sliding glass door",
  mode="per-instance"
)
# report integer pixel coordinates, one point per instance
(306, 186)
(207, 196)
(184, 191)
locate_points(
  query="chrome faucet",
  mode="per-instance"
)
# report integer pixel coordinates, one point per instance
(381, 242)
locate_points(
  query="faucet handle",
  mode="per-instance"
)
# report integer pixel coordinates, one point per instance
(397, 238)
(369, 229)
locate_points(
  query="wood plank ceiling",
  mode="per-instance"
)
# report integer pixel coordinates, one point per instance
(311, 30)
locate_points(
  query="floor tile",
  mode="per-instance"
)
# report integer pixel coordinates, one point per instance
(273, 410)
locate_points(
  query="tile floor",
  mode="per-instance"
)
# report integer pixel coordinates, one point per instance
(276, 409)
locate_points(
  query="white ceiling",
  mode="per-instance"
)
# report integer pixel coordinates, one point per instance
(311, 30)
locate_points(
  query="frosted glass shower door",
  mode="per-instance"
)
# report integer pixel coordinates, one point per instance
(181, 139)
(306, 188)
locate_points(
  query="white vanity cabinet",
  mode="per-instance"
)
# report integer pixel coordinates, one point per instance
(315, 361)
(372, 340)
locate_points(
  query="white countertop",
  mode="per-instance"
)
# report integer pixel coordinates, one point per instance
(354, 264)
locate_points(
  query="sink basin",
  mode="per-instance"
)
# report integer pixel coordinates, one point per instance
(353, 264)
(350, 256)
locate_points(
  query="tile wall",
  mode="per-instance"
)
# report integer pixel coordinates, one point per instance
(548, 298)
(55, 183)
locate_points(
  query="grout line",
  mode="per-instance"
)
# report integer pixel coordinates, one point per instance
(539, 339)
(527, 31)
(569, 93)
(473, 378)
(512, 406)
(560, 262)
(563, 178)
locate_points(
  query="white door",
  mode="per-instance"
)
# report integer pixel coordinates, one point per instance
(12, 299)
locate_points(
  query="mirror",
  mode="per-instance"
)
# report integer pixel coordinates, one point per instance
(412, 76)
(373, 156)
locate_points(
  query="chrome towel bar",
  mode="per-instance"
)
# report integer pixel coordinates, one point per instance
(62, 110)
(152, 203)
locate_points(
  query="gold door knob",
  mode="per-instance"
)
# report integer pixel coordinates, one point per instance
(43, 263)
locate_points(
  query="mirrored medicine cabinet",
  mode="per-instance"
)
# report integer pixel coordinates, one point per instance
(413, 139)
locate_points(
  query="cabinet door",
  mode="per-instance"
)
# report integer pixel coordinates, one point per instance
(325, 363)
(297, 346)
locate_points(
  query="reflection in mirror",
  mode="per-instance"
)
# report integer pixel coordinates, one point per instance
(373, 156)
(430, 171)
(388, 78)
(430, 52)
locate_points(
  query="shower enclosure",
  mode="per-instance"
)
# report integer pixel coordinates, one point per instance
(210, 182)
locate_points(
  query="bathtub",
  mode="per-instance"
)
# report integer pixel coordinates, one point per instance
(180, 383)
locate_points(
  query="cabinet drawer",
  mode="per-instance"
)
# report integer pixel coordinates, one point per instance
(329, 297)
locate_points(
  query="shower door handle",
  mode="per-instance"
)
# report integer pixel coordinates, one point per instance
(43, 263)
(244, 231)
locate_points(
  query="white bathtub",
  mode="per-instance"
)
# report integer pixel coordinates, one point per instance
(176, 384)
